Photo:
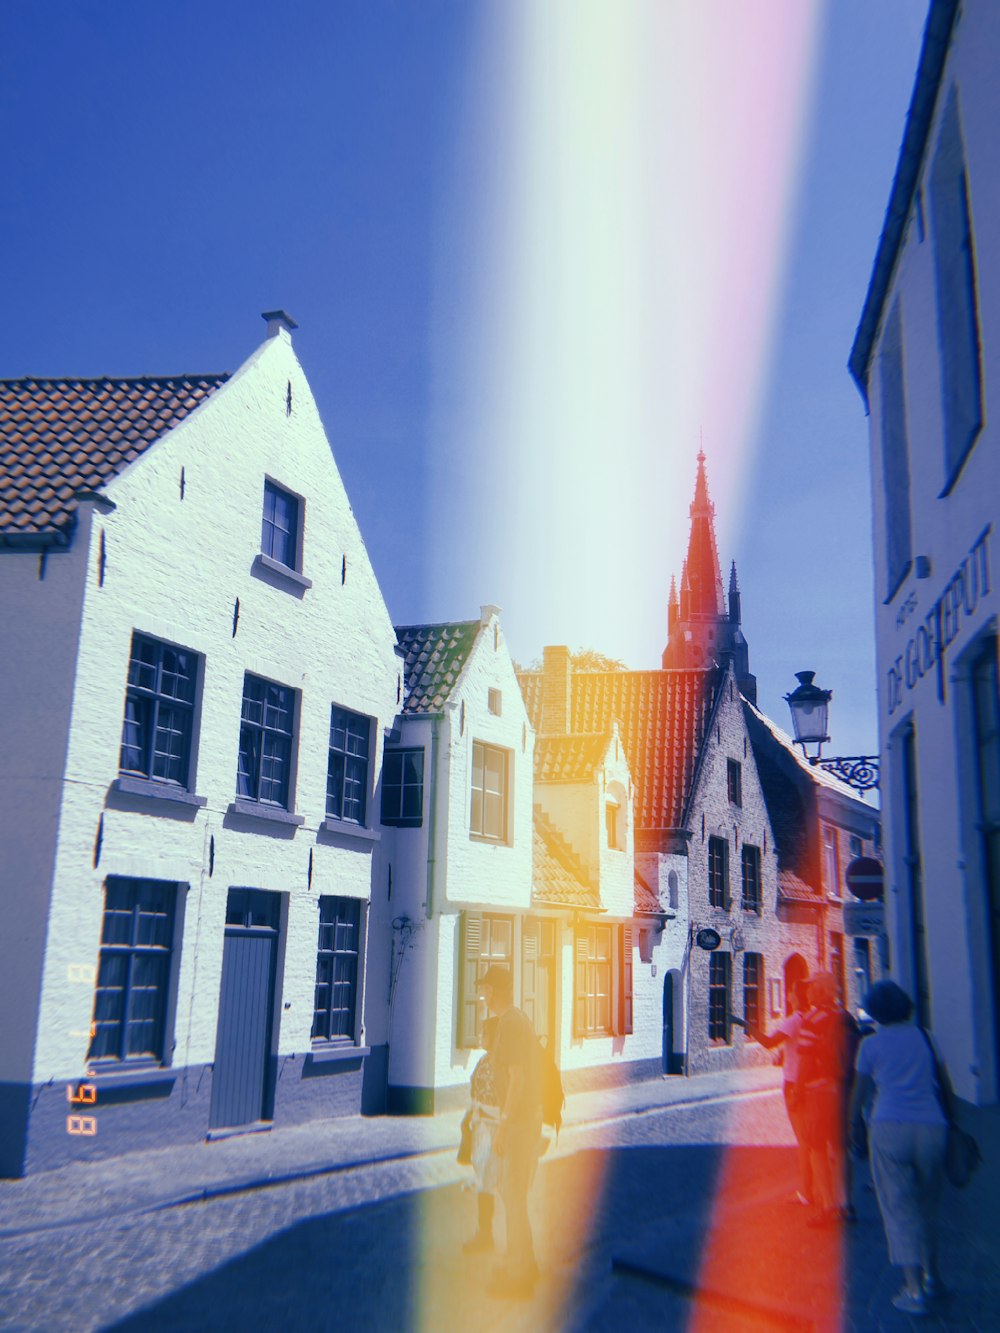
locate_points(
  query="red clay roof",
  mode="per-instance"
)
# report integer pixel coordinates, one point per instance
(558, 877)
(569, 758)
(645, 899)
(58, 437)
(661, 717)
(795, 889)
(434, 656)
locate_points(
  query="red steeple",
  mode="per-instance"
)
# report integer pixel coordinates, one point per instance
(702, 578)
(700, 627)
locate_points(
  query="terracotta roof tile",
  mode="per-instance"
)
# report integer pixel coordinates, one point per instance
(558, 876)
(434, 656)
(645, 899)
(58, 437)
(794, 889)
(569, 758)
(661, 717)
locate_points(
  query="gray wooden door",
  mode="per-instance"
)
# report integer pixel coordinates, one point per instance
(241, 1084)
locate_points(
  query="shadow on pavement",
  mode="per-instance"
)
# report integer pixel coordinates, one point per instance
(714, 1231)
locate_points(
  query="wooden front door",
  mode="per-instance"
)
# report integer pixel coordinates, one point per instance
(242, 1084)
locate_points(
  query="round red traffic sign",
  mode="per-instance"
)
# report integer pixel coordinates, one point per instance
(866, 879)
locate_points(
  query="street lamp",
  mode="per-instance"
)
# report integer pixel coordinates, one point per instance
(810, 708)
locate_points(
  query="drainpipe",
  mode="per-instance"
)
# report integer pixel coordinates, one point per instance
(432, 817)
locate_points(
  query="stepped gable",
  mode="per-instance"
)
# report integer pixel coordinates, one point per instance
(433, 659)
(792, 888)
(61, 436)
(558, 877)
(646, 900)
(570, 758)
(661, 718)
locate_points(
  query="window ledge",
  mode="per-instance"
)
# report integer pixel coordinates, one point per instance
(125, 1076)
(343, 828)
(264, 565)
(328, 1053)
(269, 814)
(157, 791)
(490, 842)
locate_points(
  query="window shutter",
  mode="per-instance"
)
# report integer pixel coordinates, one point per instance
(580, 985)
(529, 971)
(726, 896)
(625, 982)
(468, 1008)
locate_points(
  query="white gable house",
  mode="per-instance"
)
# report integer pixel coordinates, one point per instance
(198, 670)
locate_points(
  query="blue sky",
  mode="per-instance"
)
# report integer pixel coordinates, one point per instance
(387, 173)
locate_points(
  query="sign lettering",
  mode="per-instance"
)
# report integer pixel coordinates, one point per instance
(959, 601)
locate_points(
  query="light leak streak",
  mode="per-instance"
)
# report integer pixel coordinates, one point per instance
(608, 263)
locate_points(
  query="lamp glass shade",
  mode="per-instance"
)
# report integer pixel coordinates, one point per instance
(810, 707)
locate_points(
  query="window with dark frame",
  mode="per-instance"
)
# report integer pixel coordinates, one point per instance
(403, 788)
(279, 532)
(718, 872)
(347, 771)
(719, 987)
(895, 453)
(337, 955)
(488, 816)
(133, 974)
(266, 735)
(955, 283)
(159, 711)
(734, 781)
(751, 900)
(753, 988)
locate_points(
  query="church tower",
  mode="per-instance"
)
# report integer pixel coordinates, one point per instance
(701, 628)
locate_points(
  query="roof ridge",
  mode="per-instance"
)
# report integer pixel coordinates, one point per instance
(220, 375)
(436, 624)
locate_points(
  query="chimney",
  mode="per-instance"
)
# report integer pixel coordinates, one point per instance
(279, 321)
(555, 691)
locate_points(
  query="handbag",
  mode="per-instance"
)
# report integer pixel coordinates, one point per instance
(961, 1156)
(464, 1154)
(961, 1152)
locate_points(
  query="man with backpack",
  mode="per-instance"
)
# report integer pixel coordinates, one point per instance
(518, 1077)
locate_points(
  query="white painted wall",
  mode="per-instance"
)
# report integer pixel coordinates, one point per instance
(175, 568)
(943, 531)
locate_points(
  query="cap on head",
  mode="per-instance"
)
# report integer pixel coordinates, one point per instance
(499, 979)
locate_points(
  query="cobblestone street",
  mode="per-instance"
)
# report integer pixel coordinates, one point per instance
(628, 1211)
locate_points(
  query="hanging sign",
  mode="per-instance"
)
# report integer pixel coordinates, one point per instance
(708, 939)
(864, 918)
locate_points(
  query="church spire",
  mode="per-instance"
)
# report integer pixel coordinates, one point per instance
(702, 630)
(704, 577)
(734, 597)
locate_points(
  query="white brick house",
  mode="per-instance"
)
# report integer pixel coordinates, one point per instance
(926, 358)
(198, 668)
(457, 844)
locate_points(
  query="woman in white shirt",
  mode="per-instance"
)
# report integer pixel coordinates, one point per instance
(907, 1130)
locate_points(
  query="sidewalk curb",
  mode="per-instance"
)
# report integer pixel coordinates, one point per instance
(290, 1177)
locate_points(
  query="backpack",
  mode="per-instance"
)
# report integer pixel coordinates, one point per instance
(553, 1097)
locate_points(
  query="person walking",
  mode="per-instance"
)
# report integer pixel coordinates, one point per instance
(827, 1043)
(898, 1078)
(483, 1123)
(517, 1073)
(786, 1036)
